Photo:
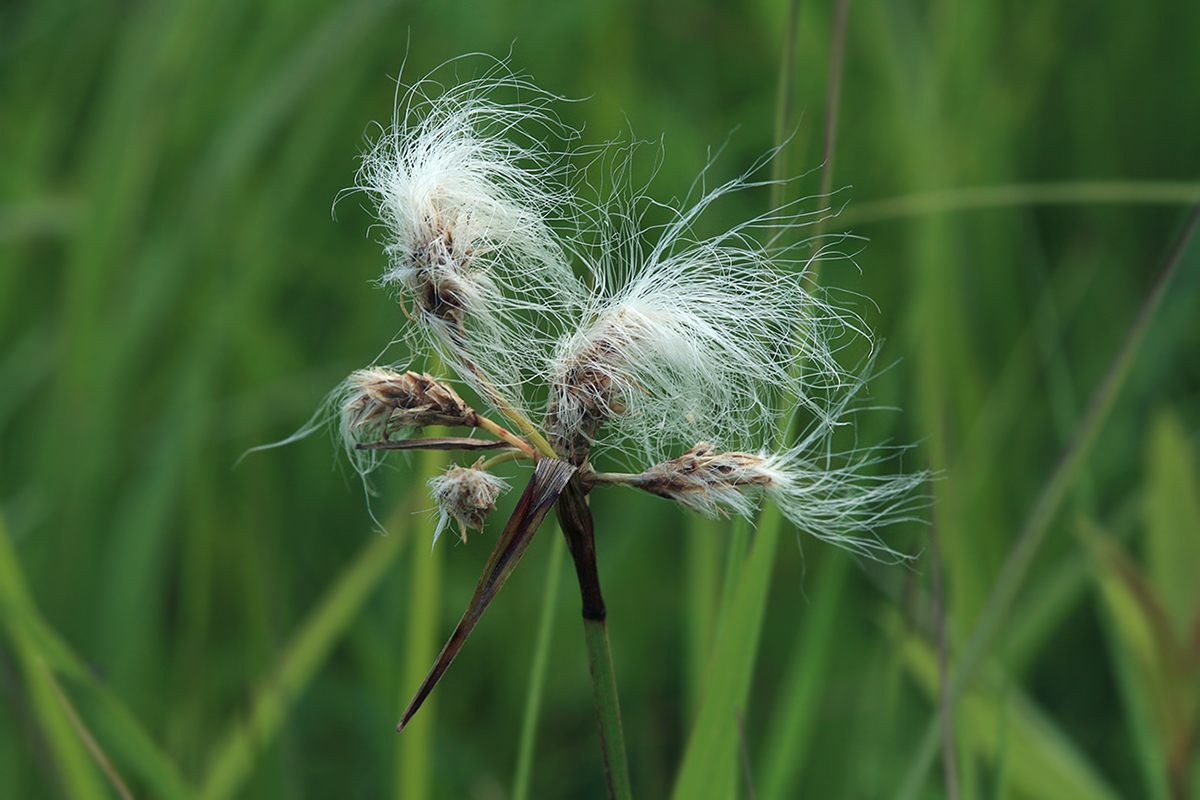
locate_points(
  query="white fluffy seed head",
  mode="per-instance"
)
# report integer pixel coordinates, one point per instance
(686, 338)
(468, 192)
(841, 503)
(465, 494)
(839, 496)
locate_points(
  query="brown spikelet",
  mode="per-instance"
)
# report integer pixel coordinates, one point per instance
(439, 278)
(380, 402)
(712, 483)
(700, 468)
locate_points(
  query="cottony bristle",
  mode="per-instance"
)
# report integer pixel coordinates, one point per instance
(844, 505)
(466, 494)
(685, 339)
(467, 191)
(380, 402)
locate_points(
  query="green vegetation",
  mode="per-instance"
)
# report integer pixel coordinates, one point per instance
(174, 291)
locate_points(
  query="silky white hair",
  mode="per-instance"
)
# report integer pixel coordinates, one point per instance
(468, 194)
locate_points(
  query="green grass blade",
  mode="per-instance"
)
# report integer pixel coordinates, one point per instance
(1001, 725)
(1172, 515)
(795, 716)
(85, 735)
(1037, 524)
(709, 761)
(73, 765)
(537, 672)
(119, 728)
(702, 565)
(243, 743)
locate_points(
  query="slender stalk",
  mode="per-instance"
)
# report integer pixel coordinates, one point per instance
(413, 776)
(744, 752)
(511, 455)
(608, 709)
(516, 417)
(435, 443)
(949, 767)
(833, 94)
(833, 91)
(575, 519)
(503, 433)
(783, 103)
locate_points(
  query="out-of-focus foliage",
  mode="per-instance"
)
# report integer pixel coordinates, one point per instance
(174, 290)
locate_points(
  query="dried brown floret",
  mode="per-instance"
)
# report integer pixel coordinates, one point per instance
(379, 402)
(467, 494)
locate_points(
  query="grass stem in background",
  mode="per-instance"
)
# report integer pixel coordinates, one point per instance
(537, 673)
(1037, 524)
(949, 765)
(972, 198)
(833, 91)
(784, 103)
(414, 772)
(243, 744)
(84, 734)
(833, 95)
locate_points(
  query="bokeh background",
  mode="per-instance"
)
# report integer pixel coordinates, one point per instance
(174, 290)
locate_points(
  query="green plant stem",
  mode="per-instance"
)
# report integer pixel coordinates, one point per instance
(608, 708)
(575, 519)
(413, 778)
(537, 673)
(503, 433)
(499, 459)
(506, 408)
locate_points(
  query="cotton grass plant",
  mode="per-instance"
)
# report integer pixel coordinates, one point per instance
(590, 335)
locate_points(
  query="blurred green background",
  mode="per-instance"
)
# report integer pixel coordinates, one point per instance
(173, 291)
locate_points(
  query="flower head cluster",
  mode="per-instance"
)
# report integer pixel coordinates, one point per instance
(632, 339)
